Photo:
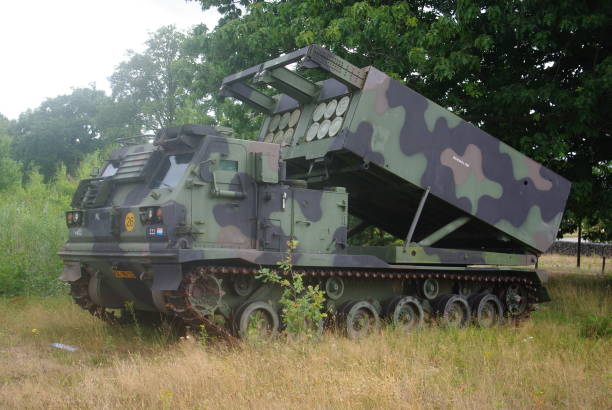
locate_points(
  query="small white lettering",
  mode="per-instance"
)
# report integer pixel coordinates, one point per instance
(462, 162)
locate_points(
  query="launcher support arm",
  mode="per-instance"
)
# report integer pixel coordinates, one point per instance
(275, 73)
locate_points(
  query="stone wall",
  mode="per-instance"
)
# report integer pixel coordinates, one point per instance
(587, 248)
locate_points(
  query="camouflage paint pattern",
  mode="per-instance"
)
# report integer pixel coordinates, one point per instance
(225, 200)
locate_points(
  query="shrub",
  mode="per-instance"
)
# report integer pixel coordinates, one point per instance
(302, 304)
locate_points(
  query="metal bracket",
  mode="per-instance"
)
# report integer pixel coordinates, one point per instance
(416, 218)
(289, 83)
(316, 161)
(225, 193)
(250, 96)
(444, 231)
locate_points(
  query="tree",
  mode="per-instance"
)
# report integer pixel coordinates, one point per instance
(10, 170)
(66, 128)
(4, 125)
(150, 83)
(536, 74)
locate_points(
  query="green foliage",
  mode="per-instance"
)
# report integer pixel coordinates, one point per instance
(64, 129)
(371, 236)
(156, 83)
(10, 170)
(302, 304)
(4, 125)
(34, 229)
(596, 327)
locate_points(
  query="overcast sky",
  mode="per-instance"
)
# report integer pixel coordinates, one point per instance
(49, 47)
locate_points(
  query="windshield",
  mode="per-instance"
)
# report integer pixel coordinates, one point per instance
(171, 170)
(109, 171)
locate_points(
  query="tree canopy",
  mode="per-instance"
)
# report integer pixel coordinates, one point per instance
(62, 130)
(157, 83)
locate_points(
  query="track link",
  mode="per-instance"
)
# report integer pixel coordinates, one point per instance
(79, 291)
(179, 301)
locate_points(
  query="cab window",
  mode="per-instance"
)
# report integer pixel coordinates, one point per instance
(171, 170)
(109, 170)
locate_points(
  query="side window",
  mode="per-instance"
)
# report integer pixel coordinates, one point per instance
(228, 165)
(171, 170)
(109, 170)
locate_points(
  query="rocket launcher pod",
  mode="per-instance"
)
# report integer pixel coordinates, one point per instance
(411, 167)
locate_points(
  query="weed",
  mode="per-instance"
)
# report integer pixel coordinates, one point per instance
(596, 327)
(203, 336)
(302, 304)
(166, 397)
(129, 309)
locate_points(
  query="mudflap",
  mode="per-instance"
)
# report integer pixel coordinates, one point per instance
(542, 293)
(71, 272)
(166, 276)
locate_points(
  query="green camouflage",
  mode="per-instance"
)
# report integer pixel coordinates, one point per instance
(357, 143)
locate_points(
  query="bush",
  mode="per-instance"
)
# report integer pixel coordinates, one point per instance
(34, 229)
(302, 304)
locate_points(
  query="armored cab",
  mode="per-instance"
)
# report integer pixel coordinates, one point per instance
(181, 224)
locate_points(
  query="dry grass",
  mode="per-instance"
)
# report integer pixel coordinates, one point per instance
(567, 264)
(545, 363)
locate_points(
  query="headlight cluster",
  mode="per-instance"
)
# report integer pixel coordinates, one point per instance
(74, 218)
(151, 215)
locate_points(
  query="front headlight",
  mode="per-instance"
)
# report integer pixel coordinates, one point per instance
(74, 218)
(151, 215)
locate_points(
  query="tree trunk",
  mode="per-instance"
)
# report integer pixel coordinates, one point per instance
(579, 244)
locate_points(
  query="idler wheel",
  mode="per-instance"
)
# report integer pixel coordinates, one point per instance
(452, 310)
(465, 289)
(257, 319)
(405, 312)
(515, 298)
(243, 284)
(430, 288)
(360, 319)
(486, 309)
(334, 288)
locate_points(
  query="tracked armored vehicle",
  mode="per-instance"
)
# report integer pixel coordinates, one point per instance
(181, 224)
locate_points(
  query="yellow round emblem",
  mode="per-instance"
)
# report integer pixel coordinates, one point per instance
(130, 221)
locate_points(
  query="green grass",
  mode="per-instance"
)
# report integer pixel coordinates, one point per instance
(33, 230)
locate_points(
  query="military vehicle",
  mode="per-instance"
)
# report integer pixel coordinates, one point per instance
(182, 224)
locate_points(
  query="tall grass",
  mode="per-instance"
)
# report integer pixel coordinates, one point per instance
(548, 362)
(33, 228)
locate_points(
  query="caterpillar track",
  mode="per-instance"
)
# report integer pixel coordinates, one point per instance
(79, 291)
(180, 304)
(179, 301)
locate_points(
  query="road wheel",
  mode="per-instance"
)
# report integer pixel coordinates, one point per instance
(487, 309)
(405, 312)
(258, 320)
(452, 310)
(360, 319)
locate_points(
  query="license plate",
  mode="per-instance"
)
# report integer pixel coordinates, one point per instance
(124, 274)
